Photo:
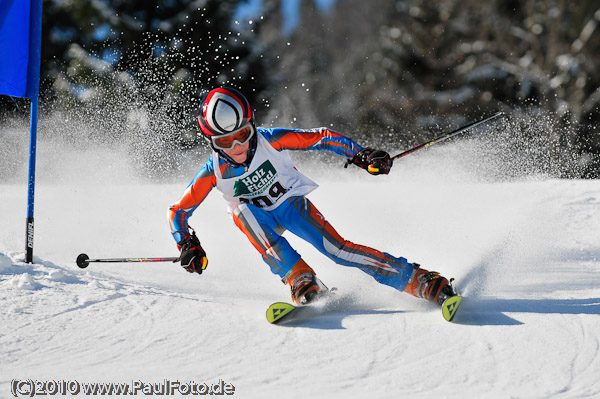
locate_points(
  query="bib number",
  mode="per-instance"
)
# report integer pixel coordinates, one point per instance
(262, 201)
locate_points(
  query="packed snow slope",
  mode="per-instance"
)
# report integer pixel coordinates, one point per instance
(524, 251)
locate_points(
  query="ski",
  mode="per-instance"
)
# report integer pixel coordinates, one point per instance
(450, 306)
(283, 312)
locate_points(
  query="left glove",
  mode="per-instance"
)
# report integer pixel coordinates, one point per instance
(376, 162)
(193, 257)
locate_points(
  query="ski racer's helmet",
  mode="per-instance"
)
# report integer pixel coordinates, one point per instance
(225, 118)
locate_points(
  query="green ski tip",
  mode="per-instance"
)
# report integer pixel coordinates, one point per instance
(450, 306)
(277, 311)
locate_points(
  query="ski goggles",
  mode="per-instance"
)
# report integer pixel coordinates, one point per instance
(229, 140)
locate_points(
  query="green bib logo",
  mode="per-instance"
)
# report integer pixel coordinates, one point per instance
(257, 181)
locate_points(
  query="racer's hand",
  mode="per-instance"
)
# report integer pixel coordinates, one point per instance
(376, 162)
(193, 257)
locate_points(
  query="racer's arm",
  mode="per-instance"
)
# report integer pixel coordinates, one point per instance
(320, 139)
(376, 162)
(196, 192)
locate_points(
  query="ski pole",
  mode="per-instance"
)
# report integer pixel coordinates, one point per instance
(83, 260)
(448, 135)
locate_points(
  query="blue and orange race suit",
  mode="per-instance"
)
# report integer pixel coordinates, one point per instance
(264, 228)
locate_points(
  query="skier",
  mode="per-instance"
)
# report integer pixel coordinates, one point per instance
(266, 195)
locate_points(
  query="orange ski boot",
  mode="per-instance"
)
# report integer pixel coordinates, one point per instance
(429, 285)
(304, 284)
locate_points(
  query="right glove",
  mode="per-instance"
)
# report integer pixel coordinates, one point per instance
(376, 162)
(193, 258)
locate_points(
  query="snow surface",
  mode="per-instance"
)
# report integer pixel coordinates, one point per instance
(525, 253)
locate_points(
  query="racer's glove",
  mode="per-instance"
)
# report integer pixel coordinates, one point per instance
(193, 258)
(376, 162)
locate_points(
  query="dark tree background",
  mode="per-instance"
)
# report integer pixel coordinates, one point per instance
(391, 72)
(387, 73)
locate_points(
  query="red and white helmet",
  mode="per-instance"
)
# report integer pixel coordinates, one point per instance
(223, 111)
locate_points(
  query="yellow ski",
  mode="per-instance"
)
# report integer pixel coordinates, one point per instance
(278, 311)
(450, 306)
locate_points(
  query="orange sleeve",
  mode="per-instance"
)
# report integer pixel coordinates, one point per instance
(196, 192)
(314, 139)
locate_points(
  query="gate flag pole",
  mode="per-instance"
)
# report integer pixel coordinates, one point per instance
(33, 89)
(20, 54)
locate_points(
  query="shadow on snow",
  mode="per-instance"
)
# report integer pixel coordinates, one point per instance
(491, 311)
(323, 319)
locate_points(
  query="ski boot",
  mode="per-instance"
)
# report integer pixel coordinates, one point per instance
(429, 285)
(304, 284)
